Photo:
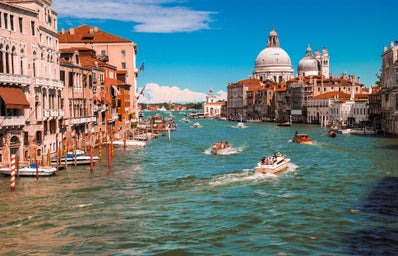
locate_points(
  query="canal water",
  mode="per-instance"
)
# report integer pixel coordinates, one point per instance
(339, 196)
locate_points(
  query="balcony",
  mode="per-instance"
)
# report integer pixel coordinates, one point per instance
(82, 120)
(53, 113)
(50, 83)
(101, 108)
(14, 79)
(12, 121)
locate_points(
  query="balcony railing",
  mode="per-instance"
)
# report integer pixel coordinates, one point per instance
(12, 120)
(14, 78)
(82, 120)
(53, 113)
(49, 82)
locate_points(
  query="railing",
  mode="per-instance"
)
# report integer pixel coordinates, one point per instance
(49, 82)
(53, 113)
(14, 78)
(82, 120)
(12, 120)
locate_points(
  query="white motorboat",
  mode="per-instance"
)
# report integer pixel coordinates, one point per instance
(272, 164)
(196, 125)
(30, 171)
(220, 148)
(241, 125)
(130, 143)
(77, 158)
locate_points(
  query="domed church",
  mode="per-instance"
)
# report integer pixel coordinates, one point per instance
(312, 65)
(273, 63)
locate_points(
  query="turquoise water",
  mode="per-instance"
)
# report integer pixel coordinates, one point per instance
(338, 197)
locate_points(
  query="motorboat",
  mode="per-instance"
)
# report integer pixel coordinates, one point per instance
(30, 171)
(196, 125)
(284, 124)
(332, 133)
(302, 138)
(74, 158)
(272, 164)
(241, 125)
(130, 143)
(220, 148)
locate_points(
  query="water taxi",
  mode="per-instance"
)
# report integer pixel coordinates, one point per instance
(302, 138)
(272, 164)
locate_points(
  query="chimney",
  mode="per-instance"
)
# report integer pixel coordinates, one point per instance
(359, 79)
(72, 31)
(62, 31)
(95, 29)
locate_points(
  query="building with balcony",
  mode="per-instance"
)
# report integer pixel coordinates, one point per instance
(389, 89)
(112, 49)
(30, 90)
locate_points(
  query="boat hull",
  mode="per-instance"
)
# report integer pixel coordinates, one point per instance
(272, 169)
(29, 171)
(130, 143)
(80, 160)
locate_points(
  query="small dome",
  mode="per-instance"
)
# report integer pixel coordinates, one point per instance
(324, 51)
(307, 64)
(317, 53)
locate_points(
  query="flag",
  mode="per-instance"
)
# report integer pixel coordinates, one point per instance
(141, 67)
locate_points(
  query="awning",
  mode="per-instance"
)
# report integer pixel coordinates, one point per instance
(117, 92)
(14, 97)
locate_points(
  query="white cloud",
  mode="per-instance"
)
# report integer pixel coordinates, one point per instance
(154, 93)
(162, 16)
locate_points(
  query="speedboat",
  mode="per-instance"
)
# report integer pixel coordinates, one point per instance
(302, 138)
(196, 125)
(241, 125)
(77, 157)
(332, 133)
(220, 148)
(272, 164)
(30, 171)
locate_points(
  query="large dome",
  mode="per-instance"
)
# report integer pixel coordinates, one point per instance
(273, 63)
(273, 56)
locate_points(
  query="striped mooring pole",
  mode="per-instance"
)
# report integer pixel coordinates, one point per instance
(12, 174)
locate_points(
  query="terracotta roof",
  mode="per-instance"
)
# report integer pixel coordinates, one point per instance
(87, 34)
(329, 95)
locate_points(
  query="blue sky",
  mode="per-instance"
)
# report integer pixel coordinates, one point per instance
(201, 44)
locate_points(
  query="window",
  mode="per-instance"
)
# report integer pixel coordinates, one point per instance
(103, 52)
(62, 75)
(124, 65)
(12, 22)
(32, 25)
(20, 22)
(123, 53)
(5, 20)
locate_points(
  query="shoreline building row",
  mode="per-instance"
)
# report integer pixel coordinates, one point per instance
(60, 90)
(274, 94)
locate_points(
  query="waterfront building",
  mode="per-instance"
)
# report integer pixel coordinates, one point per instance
(338, 108)
(389, 89)
(212, 106)
(301, 88)
(30, 91)
(112, 49)
(78, 98)
(375, 110)
(273, 63)
(237, 98)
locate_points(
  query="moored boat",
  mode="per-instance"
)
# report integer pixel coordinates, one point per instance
(30, 171)
(77, 158)
(272, 164)
(130, 143)
(302, 138)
